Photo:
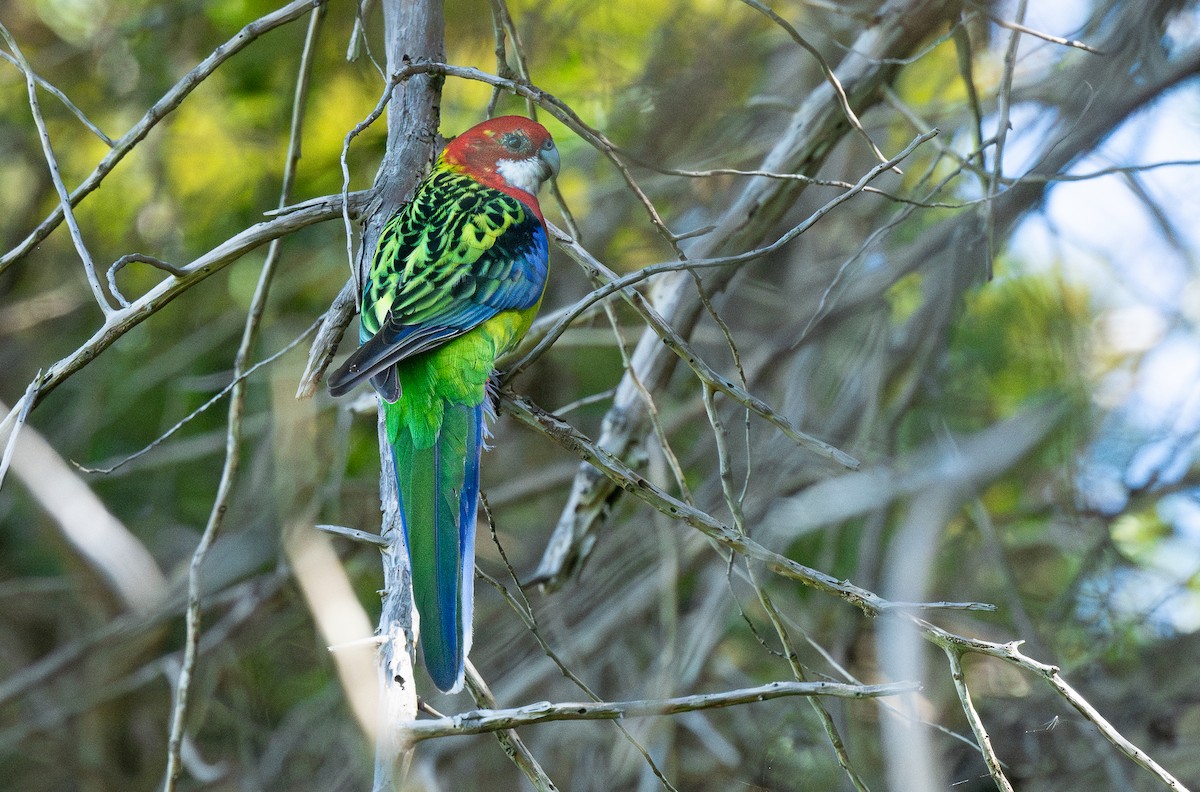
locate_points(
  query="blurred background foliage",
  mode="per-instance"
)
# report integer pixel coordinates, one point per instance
(1089, 542)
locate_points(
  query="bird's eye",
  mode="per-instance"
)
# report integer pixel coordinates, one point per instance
(515, 141)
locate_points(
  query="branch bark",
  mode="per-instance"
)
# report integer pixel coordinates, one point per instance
(411, 30)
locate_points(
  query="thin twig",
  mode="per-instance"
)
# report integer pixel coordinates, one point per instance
(514, 747)
(19, 414)
(89, 266)
(355, 534)
(163, 107)
(556, 107)
(1011, 653)
(830, 77)
(994, 766)
(733, 502)
(482, 721)
(150, 303)
(501, 13)
(878, 233)
(966, 68)
(502, 67)
(234, 424)
(216, 517)
(652, 270)
(929, 44)
(62, 97)
(630, 480)
(655, 418)
(140, 258)
(885, 706)
(675, 343)
(1035, 178)
(1019, 28)
(203, 407)
(525, 611)
(371, 118)
(1004, 102)
(800, 177)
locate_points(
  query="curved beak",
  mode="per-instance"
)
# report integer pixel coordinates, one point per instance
(550, 160)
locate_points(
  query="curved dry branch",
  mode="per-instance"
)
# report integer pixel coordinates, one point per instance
(870, 603)
(122, 321)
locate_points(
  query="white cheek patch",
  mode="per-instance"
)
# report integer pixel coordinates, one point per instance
(524, 174)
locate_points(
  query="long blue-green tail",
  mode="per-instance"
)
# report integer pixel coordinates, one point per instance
(439, 493)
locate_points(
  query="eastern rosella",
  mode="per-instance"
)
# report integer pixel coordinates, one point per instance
(456, 279)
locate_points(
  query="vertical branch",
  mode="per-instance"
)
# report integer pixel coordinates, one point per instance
(502, 68)
(397, 686)
(216, 517)
(1004, 99)
(412, 29)
(233, 431)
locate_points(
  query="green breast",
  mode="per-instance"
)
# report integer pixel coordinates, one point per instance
(455, 373)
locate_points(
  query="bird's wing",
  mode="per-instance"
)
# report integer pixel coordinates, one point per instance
(457, 255)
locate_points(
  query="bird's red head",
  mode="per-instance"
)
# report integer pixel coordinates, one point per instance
(511, 153)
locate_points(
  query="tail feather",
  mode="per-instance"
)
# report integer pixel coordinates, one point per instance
(439, 494)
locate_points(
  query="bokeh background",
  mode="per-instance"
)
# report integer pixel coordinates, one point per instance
(1011, 352)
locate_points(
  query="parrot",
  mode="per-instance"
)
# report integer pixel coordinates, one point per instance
(456, 278)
